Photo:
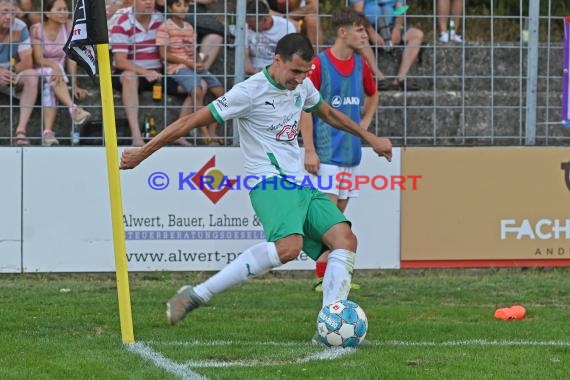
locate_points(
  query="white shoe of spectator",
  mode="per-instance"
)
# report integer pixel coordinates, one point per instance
(445, 37)
(455, 37)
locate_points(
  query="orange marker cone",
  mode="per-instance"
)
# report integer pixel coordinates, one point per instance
(513, 312)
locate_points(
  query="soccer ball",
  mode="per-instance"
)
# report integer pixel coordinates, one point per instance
(342, 324)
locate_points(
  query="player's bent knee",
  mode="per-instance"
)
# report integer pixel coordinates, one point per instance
(340, 236)
(288, 254)
(351, 242)
(288, 248)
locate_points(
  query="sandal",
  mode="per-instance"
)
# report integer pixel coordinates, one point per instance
(210, 142)
(22, 139)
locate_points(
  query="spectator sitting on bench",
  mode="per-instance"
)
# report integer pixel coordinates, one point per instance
(48, 39)
(261, 36)
(177, 43)
(209, 29)
(20, 80)
(136, 59)
(382, 15)
(305, 13)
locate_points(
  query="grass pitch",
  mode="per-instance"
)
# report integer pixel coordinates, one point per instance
(423, 325)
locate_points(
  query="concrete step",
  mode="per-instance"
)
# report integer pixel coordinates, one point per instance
(477, 66)
(469, 91)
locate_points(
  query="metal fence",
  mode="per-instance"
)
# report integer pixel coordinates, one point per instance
(488, 90)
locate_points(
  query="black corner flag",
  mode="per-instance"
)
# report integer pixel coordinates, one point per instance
(89, 29)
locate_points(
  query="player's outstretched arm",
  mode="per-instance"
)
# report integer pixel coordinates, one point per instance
(134, 156)
(337, 119)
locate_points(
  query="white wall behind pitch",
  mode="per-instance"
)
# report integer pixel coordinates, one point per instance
(66, 210)
(67, 225)
(10, 210)
(375, 214)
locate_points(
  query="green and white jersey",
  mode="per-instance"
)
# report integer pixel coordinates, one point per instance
(268, 116)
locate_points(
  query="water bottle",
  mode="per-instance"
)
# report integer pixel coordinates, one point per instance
(75, 134)
(146, 127)
(524, 36)
(451, 29)
(231, 23)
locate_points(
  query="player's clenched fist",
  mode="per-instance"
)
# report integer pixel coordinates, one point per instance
(131, 158)
(383, 147)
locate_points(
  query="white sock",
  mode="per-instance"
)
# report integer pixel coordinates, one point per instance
(336, 283)
(254, 261)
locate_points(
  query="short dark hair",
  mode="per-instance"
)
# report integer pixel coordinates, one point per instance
(347, 16)
(295, 43)
(48, 5)
(170, 3)
(256, 8)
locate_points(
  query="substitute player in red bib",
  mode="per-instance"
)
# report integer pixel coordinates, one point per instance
(346, 82)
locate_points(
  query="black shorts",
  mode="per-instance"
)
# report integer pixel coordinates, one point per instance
(145, 85)
(204, 23)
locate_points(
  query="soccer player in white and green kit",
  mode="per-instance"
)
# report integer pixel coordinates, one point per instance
(267, 108)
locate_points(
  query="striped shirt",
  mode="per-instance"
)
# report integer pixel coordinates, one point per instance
(180, 42)
(130, 37)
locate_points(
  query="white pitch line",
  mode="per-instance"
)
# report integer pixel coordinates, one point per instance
(178, 370)
(477, 342)
(326, 354)
(402, 343)
(207, 343)
(184, 371)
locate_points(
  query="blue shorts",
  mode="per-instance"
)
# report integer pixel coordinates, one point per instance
(188, 79)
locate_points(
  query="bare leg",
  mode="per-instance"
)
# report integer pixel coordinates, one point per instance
(457, 12)
(413, 39)
(198, 94)
(130, 96)
(217, 91)
(213, 135)
(443, 7)
(62, 93)
(194, 99)
(368, 54)
(29, 82)
(314, 31)
(210, 46)
(324, 257)
(50, 113)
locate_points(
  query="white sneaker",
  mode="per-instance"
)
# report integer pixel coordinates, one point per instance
(455, 38)
(445, 37)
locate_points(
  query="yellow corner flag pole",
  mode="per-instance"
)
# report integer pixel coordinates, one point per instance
(115, 193)
(90, 28)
